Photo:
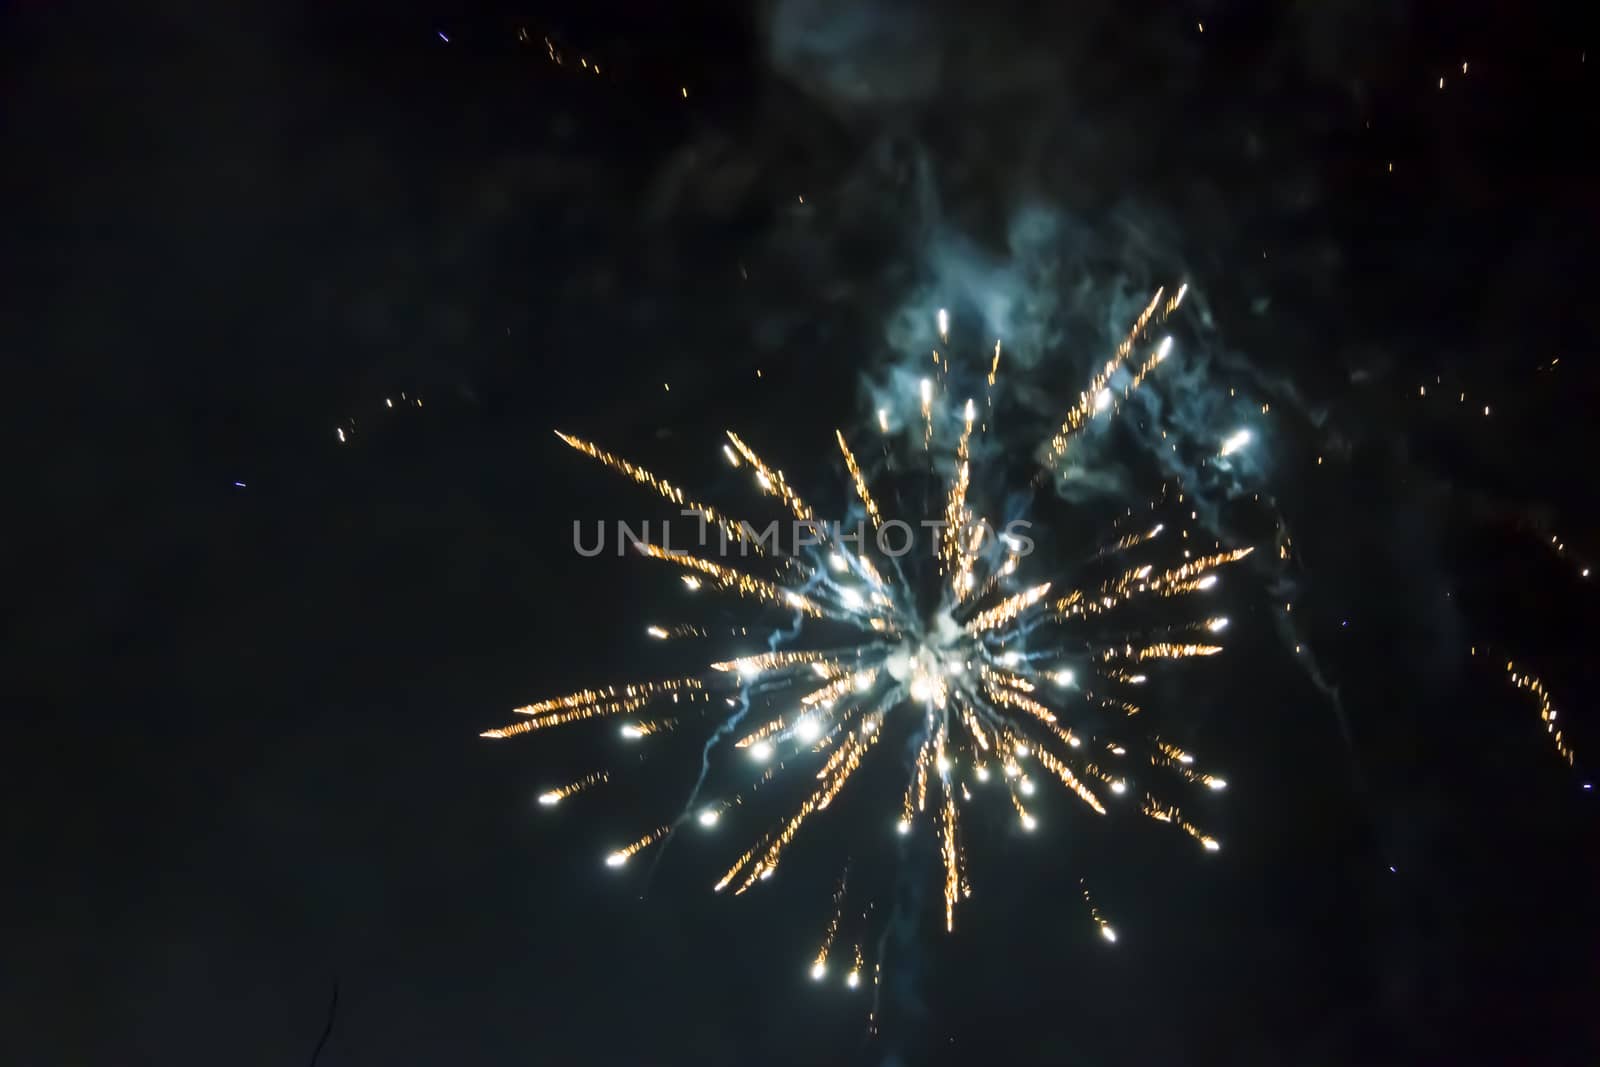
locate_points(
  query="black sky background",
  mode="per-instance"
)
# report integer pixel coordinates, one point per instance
(244, 761)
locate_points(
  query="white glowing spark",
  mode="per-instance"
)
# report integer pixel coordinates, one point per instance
(656, 632)
(1102, 400)
(760, 751)
(807, 729)
(944, 324)
(1216, 626)
(708, 817)
(1236, 440)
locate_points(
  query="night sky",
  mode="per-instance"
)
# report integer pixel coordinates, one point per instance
(250, 659)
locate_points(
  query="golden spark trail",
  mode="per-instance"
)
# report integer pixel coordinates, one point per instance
(840, 766)
(1049, 762)
(660, 485)
(1187, 578)
(1161, 650)
(627, 852)
(860, 482)
(771, 482)
(1129, 541)
(954, 552)
(1012, 699)
(924, 761)
(563, 718)
(1169, 814)
(1006, 678)
(952, 862)
(594, 696)
(1096, 397)
(834, 690)
(736, 581)
(1007, 610)
(771, 661)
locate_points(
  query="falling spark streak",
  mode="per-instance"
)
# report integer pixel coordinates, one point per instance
(819, 965)
(995, 670)
(952, 861)
(1168, 814)
(1547, 712)
(555, 796)
(627, 852)
(665, 488)
(1094, 913)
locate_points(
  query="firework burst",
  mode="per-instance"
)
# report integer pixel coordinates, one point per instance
(979, 684)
